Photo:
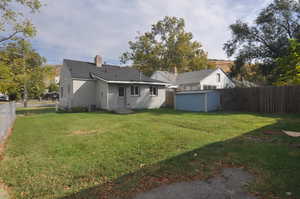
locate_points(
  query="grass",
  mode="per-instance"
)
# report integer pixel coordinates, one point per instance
(101, 155)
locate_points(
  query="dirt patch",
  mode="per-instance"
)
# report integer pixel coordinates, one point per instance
(3, 192)
(3, 188)
(3, 143)
(229, 185)
(84, 132)
(273, 132)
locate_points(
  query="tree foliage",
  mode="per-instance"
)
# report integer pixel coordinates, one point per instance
(53, 87)
(13, 24)
(266, 40)
(289, 66)
(165, 47)
(21, 66)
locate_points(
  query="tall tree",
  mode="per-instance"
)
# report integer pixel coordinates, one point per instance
(289, 66)
(166, 47)
(23, 64)
(13, 23)
(266, 40)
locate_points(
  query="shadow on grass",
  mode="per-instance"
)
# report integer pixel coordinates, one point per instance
(169, 111)
(36, 110)
(274, 160)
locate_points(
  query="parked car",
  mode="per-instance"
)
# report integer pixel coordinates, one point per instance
(51, 96)
(4, 97)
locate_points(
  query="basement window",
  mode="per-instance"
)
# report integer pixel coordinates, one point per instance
(135, 91)
(209, 87)
(153, 91)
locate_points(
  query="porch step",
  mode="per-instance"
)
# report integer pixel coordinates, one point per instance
(123, 111)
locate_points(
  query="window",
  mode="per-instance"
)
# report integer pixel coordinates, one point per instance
(209, 87)
(121, 91)
(61, 92)
(135, 91)
(153, 91)
(218, 77)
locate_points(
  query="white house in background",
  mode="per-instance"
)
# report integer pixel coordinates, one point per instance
(197, 80)
(97, 85)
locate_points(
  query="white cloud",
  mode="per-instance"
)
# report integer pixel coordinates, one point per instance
(81, 29)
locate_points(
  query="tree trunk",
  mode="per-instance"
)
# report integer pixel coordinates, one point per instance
(25, 96)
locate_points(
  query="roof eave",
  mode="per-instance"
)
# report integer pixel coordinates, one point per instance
(128, 82)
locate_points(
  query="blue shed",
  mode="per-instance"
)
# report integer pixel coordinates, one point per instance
(198, 101)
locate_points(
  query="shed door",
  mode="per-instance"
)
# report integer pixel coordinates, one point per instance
(122, 97)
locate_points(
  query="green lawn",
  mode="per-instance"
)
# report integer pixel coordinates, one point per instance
(101, 155)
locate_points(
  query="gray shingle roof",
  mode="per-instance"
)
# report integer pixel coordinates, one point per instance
(85, 70)
(164, 76)
(193, 77)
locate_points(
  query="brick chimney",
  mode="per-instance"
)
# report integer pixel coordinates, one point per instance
(98, 61)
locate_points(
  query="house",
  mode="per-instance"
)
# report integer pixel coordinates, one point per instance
(57, 74)
(102, 86)
(197, 80)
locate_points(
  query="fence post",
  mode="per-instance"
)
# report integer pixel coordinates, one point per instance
(7, 118)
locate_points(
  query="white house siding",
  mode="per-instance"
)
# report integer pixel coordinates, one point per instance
(66, 84)
(84, 93)
(212, 80)
(101, 94)
(143, 101)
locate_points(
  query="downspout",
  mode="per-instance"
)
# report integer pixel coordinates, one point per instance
(107, 96)
(205, 102)
(175, 99)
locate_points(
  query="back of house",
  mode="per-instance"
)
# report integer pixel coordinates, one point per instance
(101, 86)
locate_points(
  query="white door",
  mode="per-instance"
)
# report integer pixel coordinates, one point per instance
(122, 97)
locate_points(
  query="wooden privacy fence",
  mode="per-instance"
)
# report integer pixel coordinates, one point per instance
(170, 97)
(271, 99)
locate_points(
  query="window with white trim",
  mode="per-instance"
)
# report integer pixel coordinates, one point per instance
(153, 91)
(135, 91)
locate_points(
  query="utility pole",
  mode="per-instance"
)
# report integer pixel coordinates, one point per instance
(25, 95)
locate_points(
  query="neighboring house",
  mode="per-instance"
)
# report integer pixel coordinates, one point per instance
(197, 80)
(84, 84)
(165, 76)
(57, 74)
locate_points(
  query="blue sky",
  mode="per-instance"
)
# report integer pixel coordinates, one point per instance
(80, 29)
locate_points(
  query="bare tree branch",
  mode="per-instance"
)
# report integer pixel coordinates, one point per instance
(9, 37)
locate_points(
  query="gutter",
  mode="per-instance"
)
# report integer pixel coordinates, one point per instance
(128, 82)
